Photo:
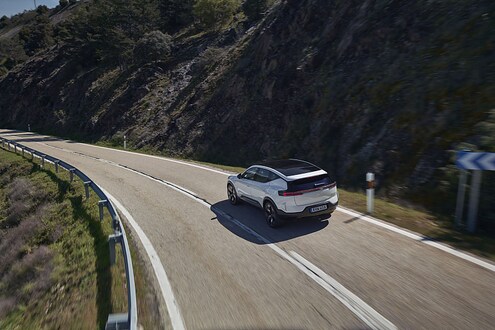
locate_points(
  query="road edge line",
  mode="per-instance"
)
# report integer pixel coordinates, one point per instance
(165, 286)
(420, 238)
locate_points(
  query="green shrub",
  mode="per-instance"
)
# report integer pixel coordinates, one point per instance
(213, 13)
(254, 9)
(175, 14)
(41, 10)
(37, 36)
(4, 21)
(152, 46)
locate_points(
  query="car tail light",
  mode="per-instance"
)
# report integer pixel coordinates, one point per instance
(289, 193)
(300, 192)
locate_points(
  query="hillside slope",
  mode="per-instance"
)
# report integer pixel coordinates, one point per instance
(355, 86)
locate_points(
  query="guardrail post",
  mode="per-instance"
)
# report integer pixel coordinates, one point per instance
(71, 174)
(86, 188)
(112, 240)
(43, 161)
(102, 204)
(56, 165)
(22, 151)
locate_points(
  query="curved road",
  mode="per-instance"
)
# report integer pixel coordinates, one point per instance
(228, 270)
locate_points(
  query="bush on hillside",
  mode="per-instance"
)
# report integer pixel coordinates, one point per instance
(213, 13)
(108, 30)
(41, 10)
(255, 9)
(4, 21)
(152, 46)
(37, 36)
(175, 14)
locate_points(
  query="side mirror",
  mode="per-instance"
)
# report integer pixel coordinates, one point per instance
(239, 176)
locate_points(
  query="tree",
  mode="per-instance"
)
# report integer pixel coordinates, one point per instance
(153, 46)
(108, 30)
(254, 9)
(37, 36)
(175, 14)
(63, 3)
(42, 10)
(4, 21)
(213, 13)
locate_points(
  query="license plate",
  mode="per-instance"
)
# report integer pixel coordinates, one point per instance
(317, 208)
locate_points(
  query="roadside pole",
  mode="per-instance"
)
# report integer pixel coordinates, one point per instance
(125, 142)
(461, 192)
(370, 191)
(474, 201)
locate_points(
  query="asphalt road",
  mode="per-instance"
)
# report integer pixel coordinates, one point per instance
(229, 270)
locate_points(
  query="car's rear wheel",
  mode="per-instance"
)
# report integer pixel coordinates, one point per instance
(232, 194)
(272, 218)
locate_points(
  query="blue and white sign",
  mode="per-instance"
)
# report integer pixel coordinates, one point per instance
(476, 160)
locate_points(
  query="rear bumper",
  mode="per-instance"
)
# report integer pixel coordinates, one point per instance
(307, 214)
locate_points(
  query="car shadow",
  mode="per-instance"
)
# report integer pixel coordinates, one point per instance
(254, 218)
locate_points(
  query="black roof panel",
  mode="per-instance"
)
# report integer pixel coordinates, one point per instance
(290, 167)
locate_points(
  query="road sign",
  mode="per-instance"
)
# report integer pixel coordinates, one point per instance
(476, 160)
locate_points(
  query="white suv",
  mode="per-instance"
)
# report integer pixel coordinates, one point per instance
(285, 188)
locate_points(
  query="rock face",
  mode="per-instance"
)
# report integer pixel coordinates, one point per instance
(354, 86)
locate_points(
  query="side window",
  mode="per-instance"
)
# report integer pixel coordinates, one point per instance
(249, 174)
(261, 175)
(264, 176)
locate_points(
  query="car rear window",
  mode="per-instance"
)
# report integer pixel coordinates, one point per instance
(309, 183)
(289, 167)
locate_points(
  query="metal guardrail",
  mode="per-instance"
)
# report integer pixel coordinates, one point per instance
(115, 321)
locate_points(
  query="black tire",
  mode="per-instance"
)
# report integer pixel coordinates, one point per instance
(232, 194)
(272, 218)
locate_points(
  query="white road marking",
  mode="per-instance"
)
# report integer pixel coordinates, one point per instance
(157, 157)
(362, 310)
(420, 238)
(371, 317)
(161, 274)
